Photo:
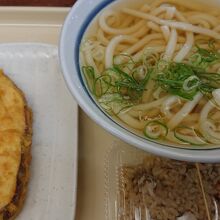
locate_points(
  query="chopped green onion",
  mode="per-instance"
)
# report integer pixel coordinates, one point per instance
(204, 58)
(173, 77)
(188, 136)
(185, 80)
(102, 85)
(129, 79)
(191, 83)
(155, 130)
(114, 103)
(89, 74)
(139, 73)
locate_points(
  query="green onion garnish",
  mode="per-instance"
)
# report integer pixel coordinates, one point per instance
(155, 130)
(102, 85)
(129, 79)
(189, 136)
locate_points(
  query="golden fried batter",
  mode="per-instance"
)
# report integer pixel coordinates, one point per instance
(15, 142)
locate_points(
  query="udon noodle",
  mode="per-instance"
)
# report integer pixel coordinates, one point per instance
(156, 68)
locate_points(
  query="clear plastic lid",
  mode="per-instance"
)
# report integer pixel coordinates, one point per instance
(144, 187)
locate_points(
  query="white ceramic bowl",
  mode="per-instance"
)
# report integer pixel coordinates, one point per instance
(74, 27)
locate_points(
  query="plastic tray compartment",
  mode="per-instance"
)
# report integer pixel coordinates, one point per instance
(140, 186)
(210, 176)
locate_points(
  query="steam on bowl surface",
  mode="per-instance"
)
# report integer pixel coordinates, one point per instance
(148, 73)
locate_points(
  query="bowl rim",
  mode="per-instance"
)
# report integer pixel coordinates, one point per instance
(89, 106)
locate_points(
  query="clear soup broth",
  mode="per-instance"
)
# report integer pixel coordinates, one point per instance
(154, 67)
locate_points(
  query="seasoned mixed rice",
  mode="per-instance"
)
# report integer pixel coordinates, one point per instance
(163, 189)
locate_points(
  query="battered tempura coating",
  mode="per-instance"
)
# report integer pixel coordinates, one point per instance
(15, 142)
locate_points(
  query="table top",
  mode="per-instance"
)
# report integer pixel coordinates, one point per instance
(91, 178)
(55, 3)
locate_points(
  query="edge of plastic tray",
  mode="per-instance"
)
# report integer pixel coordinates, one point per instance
(123, 155)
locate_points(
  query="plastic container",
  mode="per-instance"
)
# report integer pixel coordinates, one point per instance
(210, 175)
(140, 186)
